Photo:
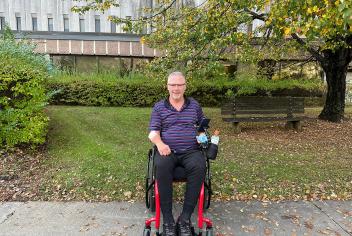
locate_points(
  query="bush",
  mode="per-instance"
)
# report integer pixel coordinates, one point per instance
(136, 90)
(22, 94)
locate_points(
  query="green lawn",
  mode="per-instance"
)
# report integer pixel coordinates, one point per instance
(99, 153)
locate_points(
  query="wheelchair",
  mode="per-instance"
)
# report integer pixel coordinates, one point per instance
(209, 152)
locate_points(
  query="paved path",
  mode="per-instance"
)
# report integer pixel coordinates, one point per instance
(121, 218)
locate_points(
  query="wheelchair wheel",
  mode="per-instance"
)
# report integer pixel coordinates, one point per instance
(147, 232)
(149, 182)
(207, 197)
(193, 232)
(152, 199)
(209, 232)
(207, 188)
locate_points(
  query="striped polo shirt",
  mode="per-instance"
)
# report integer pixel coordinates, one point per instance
(177, 128)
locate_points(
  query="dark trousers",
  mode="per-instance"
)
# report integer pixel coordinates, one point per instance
(195, 167)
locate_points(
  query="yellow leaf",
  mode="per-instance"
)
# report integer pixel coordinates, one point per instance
(287, 31)
(315, 9)
(309, 10)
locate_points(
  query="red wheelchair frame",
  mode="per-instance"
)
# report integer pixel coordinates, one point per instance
(153, 201)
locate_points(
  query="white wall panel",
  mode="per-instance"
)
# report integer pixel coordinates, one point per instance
(57, 8)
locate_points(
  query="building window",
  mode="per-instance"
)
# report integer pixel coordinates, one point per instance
(97, 24)
(113, 27)
(2, 23)
(66, 23)
(50, 24)
(81, 25)
(34, 23)
(18, 23)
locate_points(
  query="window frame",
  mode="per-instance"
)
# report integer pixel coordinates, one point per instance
(97, 22)
(18, 23)
(82, 27)
(66, 22)
(34, 23)
(2, 22)
(50, 29)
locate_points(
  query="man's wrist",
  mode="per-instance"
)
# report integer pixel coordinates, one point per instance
(159, 143)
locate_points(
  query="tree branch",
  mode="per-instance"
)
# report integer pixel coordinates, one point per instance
(311, 50)
(167, 8)
(267, 37)
(256, 15)
(152, 16)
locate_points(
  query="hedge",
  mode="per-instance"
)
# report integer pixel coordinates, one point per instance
(145, 92)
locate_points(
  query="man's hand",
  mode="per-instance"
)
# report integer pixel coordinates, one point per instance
(163, 149)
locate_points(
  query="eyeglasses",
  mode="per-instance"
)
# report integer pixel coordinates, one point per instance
(176, 85)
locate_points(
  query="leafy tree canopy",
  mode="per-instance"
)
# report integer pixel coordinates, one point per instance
(206, 31)
(198, 37)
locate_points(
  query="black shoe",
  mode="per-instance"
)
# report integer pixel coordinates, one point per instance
(169, 229)
(184, 228)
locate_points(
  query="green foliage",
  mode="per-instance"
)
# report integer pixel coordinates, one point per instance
(98, 93)
(22, 94)
(7, 34)
(218, 30)
(67, 77)
(301, 87)
(137, 90)
(96, 5)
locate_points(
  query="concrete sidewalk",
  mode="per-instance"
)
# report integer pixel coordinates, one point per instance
(230, 218)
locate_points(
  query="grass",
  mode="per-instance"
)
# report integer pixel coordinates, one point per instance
(99, 153)
(97, 150)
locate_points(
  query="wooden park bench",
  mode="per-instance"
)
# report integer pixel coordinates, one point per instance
(263, 109)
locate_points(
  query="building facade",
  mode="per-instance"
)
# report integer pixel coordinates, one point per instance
(86, 43)
(56, 15)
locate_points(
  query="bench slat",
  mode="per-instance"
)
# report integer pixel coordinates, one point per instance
(226, 112)
(268, 99)
(265, 107)
(257, 111)
(264, 102)
(267, 102)
(261, 119)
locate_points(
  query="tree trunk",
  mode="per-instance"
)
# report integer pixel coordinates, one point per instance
(335, 68)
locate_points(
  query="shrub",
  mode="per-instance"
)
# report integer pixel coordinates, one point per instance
(22, 94)
(137, 90)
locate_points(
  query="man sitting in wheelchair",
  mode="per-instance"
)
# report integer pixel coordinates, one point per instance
(173, 131)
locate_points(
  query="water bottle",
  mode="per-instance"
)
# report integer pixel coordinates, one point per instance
(215, 137)
(213, 147)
